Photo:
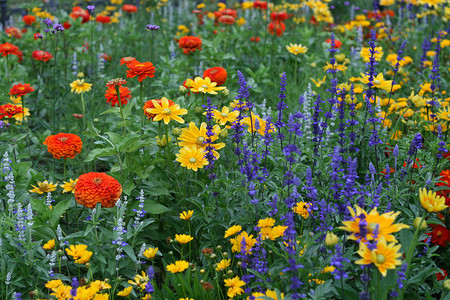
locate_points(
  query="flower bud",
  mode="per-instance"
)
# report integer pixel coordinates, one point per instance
(230, 272)
(88, 265)
(239, 263)
(162, 142)
(198, 110)
(183, 90)
(177, 131)
(202, 281)
(225, 92)
(218, 247)
(225, 254)
(213, 255)
(331, 240)
(223, 133)
(447, 284)
(340, 57)
(416, 223)
(106, 280)
(202, 271)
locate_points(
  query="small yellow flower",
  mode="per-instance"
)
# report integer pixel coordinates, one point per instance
(183, 238)
(76, 251)
(186, 215)
(237, 242)
(178, 266)
(150, 252)
(125, 292)
(223, 264)
(224, 116)
(162, 142)
(79, 86)
(297, 49)
(301, 208)
(232, 230)
(62, 292)
(100, 285)
(234, 286)
(267, 222)
(319, 81)
(53, 284)
(200, 85)
(44, 187)
(140, 281)
(192, 158)
(431, 201)
(167, 112)
(84, 258)
(69, 186)
(49, 245)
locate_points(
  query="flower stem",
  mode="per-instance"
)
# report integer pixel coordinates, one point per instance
(84, 111)
(141, 104)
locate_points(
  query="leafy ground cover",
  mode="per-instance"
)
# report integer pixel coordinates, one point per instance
(243, 150)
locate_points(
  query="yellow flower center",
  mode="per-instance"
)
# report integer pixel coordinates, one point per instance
(372, 226)
(205, 86)
(380, 258)
(200, 140)
(63, 139)
(21, 88)
(97, 181)
(192, 160)
(167, 111)
(224, 115)
(376, 81)
(140, 65)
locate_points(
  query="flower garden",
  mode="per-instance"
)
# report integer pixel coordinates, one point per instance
(225, 150)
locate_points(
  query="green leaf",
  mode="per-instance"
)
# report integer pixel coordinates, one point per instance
(112, 110)
(38, 205)
(115, 138)
(58, 210)
(128, 250)
(155, 208)
(100, 152)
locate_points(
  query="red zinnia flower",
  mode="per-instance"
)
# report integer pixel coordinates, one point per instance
(78, 12)
(64, 145)
(9, 111)
(149, 104)
(93, 188)
(226, 19)
(129, 8)
(260, 4)
(440, 276)
(103, 19)
(143, 70)
(111, 95)
(21, 90)
(277, 28)
(29, 19)
(216, 74)
(440, 235)
(278, 16)
(14, 31)
(41, 55)
(415, 164)
(337, 43)
(67, 25)
(190, 44)
(127, 60)
(225, 12)
(8, 48)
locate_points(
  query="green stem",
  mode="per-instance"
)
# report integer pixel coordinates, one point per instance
(141, 99)
(84, 111)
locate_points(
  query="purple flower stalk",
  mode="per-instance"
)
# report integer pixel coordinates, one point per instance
(152, 27)
(281, 106)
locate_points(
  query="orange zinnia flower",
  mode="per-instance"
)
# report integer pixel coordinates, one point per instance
(103, 19)
(9, 111)
(29, 19)
(111, 95)
(63, 145)
(216, 74)
(41, 55)
(149, 104)
(93, 188)
(127, 60)
(190, 44)
(129, 8)
(7, 48)
(142, 70)
(226, 19)
(21, 90)
(14, 31)
(78, 12)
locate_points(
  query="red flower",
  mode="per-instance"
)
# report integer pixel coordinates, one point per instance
(278, 16)
(93, 188)
(277, 28)
(78, 12)
(41, 55)
(190, 44)
(111, 95)
(216, 74)
(9, 111)
(103, 19)
(255, 39)
(446, 183)
(337, 43)
(127, 60)
(260, 4)
(63, 145)
(440, 276)
(415, 164)
(129, 8)
(105, 56)
(439, 235)
(226, 19)
(142, 70)
(14, 31)
(67, 25)
(21, 90)
(225, 12)
(149, 105)
(29, 19)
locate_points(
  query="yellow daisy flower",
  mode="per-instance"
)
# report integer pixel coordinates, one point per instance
(167, 112)
(150, 252)
(43, 187)
(232, 230)
(186, 215)
(234, 286)
(200, 85)
(69, 186)
(49, 245)
(223, 264)
(76, 251)
(125, 292)
(431, 201)
(192, 158)
(297, 48)
(183, 238)
(79, 86)
(224, 116)
(319, 81)
(178, 266)
(194, 136)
